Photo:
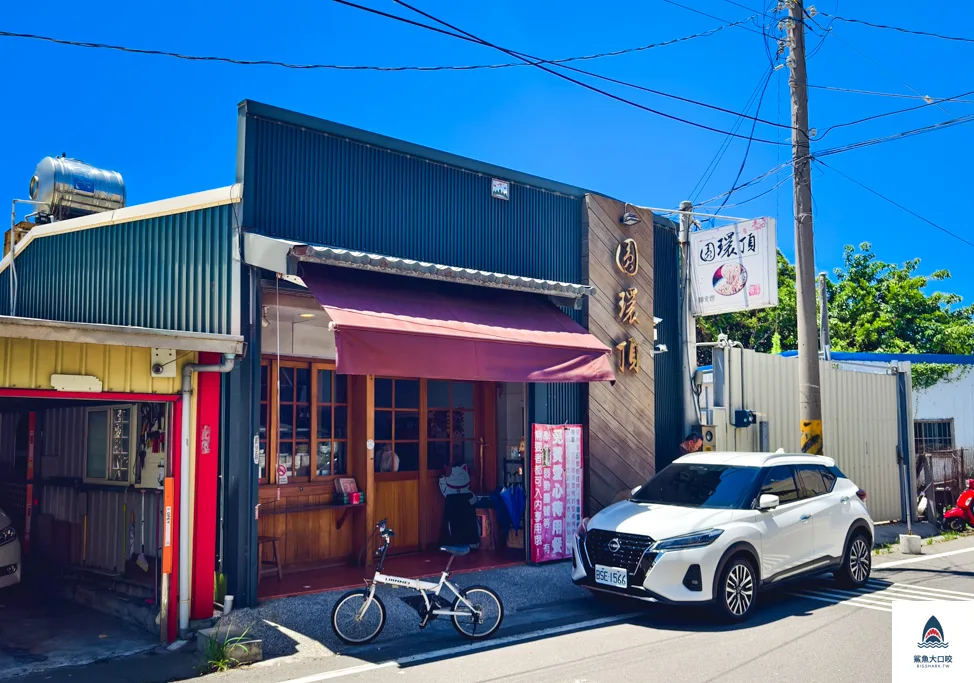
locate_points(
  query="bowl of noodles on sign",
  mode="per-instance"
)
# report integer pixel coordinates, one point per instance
(730, 279)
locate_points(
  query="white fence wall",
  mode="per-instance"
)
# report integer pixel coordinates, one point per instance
(860, 420)
(948, 400)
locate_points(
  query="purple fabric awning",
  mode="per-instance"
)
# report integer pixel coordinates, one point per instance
(405, 327)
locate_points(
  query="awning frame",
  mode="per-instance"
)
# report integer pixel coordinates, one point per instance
(118, 335)
(284, 257)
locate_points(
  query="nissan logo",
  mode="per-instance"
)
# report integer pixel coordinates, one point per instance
(615, 545)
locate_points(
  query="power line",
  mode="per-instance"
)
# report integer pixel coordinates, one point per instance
(961, 120)
(708, 172)
(749, 183)
(540, 64)
(757, 196)
(346, 67)
(711, 16)
(890, 113)
(747, 150)
(897, 204)
(898, 28)
(856, 91)
(873, 62)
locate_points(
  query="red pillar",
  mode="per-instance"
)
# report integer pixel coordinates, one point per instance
(207, 471)
(172, 616)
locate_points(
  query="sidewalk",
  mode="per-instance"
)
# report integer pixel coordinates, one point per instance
(300, 626)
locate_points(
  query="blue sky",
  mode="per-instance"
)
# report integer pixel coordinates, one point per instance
(170, 126)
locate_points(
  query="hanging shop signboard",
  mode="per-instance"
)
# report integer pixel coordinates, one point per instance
(556, 490)
(734, 268)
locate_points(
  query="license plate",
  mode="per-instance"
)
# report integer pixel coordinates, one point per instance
(611, 576)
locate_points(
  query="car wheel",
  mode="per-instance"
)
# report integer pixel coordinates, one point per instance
(737, 590)
(857, 563)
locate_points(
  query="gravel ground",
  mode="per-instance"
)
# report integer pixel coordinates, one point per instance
(301, 625)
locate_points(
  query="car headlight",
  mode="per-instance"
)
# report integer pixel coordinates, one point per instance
(8, 535)
(697, 539)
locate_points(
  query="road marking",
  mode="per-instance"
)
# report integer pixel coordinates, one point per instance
(924, 558)
(464, 649)
(877, 595)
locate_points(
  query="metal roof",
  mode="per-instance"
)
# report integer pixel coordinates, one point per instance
(282, 256)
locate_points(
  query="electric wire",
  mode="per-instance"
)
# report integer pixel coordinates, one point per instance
(900, 29)
(704, 14)
(857, 91)
(747, 150)
(890, 113)
(534, 61)
(961, 120)
(897, 204)
(872, 61)
(350, 67)
(711, 168)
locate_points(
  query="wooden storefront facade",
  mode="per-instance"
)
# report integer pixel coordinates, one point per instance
(365, 196)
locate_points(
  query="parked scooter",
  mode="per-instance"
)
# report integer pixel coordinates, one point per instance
(959, 517)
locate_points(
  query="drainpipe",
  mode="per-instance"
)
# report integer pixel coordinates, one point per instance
(184, 521)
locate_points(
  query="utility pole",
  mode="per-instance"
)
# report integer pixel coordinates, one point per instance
(809, 385)
(688, 324)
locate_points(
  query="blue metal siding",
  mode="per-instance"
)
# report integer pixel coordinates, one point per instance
(170, 272)
(669, 381)
(318, 187)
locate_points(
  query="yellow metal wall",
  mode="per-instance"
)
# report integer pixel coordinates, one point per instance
(28, 364)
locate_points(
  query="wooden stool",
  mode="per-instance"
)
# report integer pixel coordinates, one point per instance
(268, 568)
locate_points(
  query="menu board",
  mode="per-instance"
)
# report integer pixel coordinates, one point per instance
(556, 490)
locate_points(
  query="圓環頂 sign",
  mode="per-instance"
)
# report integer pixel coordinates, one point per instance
(556, 490)
(734, 268)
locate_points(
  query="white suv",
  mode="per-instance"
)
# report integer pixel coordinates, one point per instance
(719, 527)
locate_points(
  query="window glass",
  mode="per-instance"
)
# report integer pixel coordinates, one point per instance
(828, 477)
(383, 392)
(97, 446)
(811, 479)
(701, 486)
(407, 393)
(779, 481)
(438, 394)
(463, 395)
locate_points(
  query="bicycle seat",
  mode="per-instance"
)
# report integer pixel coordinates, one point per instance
(456, 550)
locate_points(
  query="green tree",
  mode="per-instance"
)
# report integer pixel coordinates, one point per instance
(874, 306)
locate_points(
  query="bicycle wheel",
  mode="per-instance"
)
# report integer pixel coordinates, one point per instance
(350, 625)
(486, 616)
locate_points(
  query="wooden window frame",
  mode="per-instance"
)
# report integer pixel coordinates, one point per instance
(419, 410)
(471, 412)
(271, 442)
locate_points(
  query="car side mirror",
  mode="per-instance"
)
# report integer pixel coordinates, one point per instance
(768, 502)
(636, 490)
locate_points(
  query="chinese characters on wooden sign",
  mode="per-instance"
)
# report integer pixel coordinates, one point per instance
(627, 261)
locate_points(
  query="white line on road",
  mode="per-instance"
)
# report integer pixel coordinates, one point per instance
(934, 593)
(843, 602)
(463, 649)
(924, 558)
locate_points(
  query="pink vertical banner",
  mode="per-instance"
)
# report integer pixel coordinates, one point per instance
(556, 490)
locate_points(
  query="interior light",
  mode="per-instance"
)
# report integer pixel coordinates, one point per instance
(307, 315)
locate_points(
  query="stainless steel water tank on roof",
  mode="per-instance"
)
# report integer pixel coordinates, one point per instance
(68, 188)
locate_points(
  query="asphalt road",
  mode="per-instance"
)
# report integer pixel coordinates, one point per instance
(811, 632)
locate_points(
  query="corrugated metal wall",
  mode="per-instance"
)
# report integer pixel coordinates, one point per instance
(170, 272)
(860, 421)
(29, 364)
(669, 382)
(112, 512)
(62, 435)
(312, 186)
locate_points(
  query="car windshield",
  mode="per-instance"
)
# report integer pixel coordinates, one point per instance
(700, 486)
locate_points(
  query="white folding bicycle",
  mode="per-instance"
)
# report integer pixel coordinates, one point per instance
(359, 615)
